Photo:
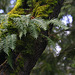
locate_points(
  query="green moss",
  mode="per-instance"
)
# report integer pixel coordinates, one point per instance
(10, 20)
(41, 11)
(28, 51)
(14, 15)
(26, 45)
(19, 11)
(42, 8)
(19, 64)
(11, 27)
(18, 8)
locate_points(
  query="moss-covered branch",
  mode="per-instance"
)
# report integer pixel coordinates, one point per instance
(19, 7)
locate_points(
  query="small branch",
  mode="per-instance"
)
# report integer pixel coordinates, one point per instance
(70, 29)
(66, 51)
(3, 64)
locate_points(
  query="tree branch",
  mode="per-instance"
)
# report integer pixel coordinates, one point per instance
(70, 29)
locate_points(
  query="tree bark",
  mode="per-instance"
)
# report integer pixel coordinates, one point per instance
(39, 47)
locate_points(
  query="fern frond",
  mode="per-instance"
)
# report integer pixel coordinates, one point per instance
(58, 23)
(7, 43)
(41, 23)
(22, 24)
(13, 39)
(33, 26)
(4, 19)
(51, 42)
(6, 46)
(34, 32)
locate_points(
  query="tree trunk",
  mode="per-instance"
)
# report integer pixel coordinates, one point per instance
(39, 46)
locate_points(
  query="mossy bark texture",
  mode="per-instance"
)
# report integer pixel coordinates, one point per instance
(25, 61)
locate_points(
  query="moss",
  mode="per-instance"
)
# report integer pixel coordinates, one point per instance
(19, 11)
(11, 27)
(42, 8)
(26, 45)
(19, 64)
(10, 20)
(18, 8)
(14, 15)
(41, 11)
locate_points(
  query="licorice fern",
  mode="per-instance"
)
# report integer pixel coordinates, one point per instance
(58, 23)
(22, 26)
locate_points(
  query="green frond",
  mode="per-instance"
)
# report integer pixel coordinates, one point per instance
(26, 25)
(58, 23)
(34, 32)
(13, 26)
(10, 59)
(3, 20)
(7, 43)
(13, 39)
(41, 23)
(50, 41)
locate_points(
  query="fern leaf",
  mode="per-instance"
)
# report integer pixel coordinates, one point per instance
(13, 41)
(3, 17)
(6, 44)
(33, 31)
(58, 23)
(20, 34)
(40, 23)
(50, 42)
(24, 23)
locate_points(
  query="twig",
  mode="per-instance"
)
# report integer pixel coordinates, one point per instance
(3, 64)
(70, 29)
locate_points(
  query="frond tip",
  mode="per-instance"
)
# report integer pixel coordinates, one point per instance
(58, 23)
